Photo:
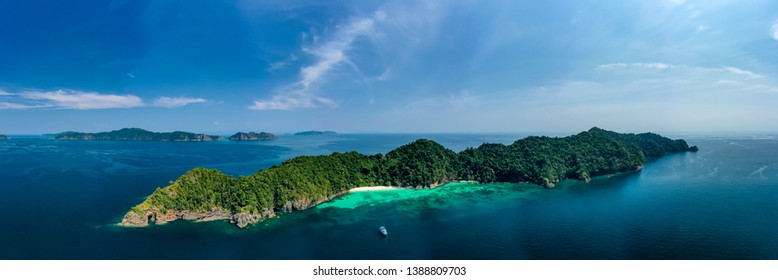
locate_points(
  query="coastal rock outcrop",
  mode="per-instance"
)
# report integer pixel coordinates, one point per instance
(3, 137)
(143, 218)
(242, 220)
(305, 203)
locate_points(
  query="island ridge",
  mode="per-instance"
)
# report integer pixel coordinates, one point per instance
(314, 132)
(252, 136)
(137, 134)
(306, 181)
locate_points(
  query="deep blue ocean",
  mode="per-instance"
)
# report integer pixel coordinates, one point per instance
(62, 200)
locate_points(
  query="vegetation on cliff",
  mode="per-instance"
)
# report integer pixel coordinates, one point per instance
(137, 134)
(306, 181)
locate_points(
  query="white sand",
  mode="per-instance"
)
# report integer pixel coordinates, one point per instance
(374, 188)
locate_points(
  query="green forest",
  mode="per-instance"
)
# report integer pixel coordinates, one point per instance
(305, 181)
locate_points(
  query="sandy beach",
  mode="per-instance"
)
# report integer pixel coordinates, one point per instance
(374, 188)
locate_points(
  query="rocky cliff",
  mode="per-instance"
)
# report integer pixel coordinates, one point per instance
(142, 215)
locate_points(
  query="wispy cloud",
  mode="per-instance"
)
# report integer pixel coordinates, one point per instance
(774, 30)
(678, 67)
(16, 106)
(328, 54)
(738, 71)
(173, 102)
(291, 101)
(277, 65)
(69, 99)
(658, 66)
(82, 100)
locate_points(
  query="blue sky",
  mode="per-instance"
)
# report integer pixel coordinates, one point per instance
(400, 66)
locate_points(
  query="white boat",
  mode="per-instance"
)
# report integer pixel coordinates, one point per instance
(383, 231)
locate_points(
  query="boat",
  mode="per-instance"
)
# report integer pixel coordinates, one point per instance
(383, 231)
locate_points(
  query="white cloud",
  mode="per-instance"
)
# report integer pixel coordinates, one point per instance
(738, 71)
(173, 102)
(277, 65)
(774, 30)
(70, 99)
(386, 75)
(81, 100)
(290, 102)
(678, 67)
(614, 66)
(12, 106)
(333, 52)
(327, 56)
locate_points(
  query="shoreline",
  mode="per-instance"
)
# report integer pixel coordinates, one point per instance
(373, 188)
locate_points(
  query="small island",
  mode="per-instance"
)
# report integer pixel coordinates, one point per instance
(306, 181)
(315, 132)
(3, 137)
(137, 134)
(54, 135)
(253, 136)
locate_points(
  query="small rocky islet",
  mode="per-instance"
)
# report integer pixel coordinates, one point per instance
(253, 136)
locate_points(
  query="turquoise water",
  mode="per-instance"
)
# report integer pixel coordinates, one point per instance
(60, 200)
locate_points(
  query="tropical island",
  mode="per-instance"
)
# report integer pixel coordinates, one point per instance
(137, 134)
(3, 137)
(306, 181)
(315, 132)
(253, 136)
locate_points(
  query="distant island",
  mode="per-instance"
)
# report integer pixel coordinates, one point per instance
(306, 181)
(137, 134)
(315, 132)
(252, 136)
(3, 137)
(54, 135)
